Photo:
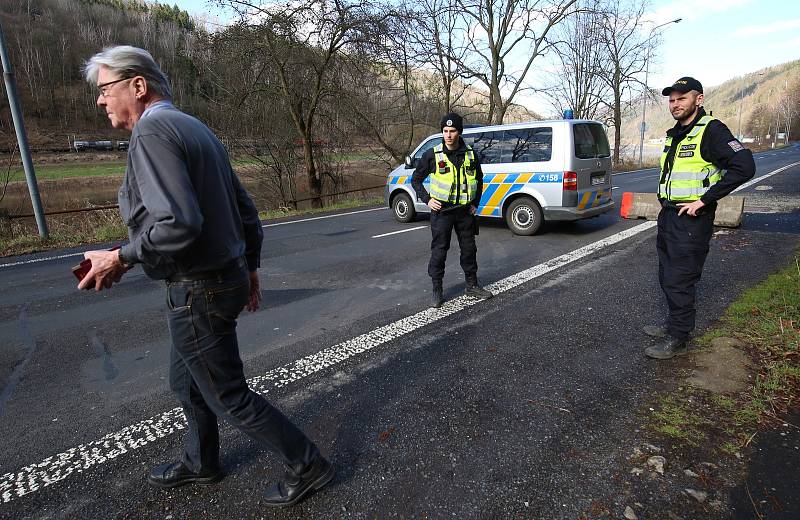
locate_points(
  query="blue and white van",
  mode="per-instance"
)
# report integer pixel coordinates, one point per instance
(532, 172)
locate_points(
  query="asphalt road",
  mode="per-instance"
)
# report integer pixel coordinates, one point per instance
(513, 407)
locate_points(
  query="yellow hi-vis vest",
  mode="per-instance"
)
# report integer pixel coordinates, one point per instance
(449, 184)
(691, 175)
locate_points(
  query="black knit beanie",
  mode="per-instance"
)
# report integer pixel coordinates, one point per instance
(454, 120)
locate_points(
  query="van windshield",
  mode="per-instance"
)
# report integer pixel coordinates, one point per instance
(590, 141)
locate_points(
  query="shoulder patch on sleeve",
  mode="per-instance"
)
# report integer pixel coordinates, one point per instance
(735, 145)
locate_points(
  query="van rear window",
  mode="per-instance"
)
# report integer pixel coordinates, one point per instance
(590, 141)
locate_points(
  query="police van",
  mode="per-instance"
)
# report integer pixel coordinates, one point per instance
(532, 172)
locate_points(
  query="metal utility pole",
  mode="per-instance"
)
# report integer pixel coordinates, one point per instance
(22, 139)
(643, 124)
(741, 98)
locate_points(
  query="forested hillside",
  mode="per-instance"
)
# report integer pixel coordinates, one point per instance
(753, 105)
(48, 42)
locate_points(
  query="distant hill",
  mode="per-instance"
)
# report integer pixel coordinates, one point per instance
(763, 97)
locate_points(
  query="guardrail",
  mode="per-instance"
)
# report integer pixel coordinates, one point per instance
(294, 202)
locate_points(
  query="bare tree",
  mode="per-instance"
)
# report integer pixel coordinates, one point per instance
(626, 50)
(581, 60)
(504, 38)
(303, 43)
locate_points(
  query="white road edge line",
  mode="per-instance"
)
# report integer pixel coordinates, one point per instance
(401, 231)
(322, 217)
(82, 457)
(45, 259)
(35, 260)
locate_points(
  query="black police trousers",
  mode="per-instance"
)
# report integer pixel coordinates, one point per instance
(442, 225)
(682, 245)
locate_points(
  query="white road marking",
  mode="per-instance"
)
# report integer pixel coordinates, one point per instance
(322, 217)
(83, 457)
(765, 176)
(35, 260)
(45, 259)
(401, 231)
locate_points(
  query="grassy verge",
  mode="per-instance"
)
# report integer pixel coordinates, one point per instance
(102, 226)
(69, 171)
(766, 319)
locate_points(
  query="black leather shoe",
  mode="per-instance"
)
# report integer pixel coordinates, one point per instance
(293, 489)
(668, 348)
(177, 474)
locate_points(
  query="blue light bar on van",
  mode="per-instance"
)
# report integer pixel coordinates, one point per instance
(569, 114)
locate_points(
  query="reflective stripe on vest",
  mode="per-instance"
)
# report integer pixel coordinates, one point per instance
(691, 175)
(449, 184)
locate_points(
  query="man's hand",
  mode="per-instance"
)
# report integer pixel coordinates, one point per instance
(434, 204)
(254, 302)
(472, 209)
(107, 269)
(690, 208)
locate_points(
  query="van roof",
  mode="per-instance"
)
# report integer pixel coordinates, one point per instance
(473, 128)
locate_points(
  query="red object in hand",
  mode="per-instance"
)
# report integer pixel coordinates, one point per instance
(81, 270)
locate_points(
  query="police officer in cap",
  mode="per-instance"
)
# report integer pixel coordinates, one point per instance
(701, 163)
(455, 192)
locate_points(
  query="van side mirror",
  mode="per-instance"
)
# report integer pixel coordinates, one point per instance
(409, 162)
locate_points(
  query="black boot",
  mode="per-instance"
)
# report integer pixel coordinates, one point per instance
(437, 298)
(474, 290)
(655, 331)
(668, 348)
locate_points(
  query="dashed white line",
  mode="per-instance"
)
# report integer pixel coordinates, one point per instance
(84, 456)
(401, 231)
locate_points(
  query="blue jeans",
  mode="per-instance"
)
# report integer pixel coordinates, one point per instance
(207, 376)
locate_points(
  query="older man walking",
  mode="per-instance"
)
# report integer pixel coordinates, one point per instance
(192, 224)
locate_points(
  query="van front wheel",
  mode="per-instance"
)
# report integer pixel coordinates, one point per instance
(403, 208)
(524, 216)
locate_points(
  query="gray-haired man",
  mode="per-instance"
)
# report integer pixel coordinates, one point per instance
(191, 223)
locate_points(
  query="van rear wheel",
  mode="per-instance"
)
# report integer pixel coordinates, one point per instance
(524, 216)
(403, 208)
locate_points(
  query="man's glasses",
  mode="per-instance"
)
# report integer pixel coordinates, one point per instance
(104, 87)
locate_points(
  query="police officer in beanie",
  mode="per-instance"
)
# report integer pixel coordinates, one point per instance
(701, 163)
(455, 192)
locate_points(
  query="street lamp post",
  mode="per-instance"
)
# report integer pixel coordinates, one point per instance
(647, 88)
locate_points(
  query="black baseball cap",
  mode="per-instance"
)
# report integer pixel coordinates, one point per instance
(684, 84)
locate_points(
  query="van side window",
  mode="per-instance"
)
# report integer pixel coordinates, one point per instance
(487, 146)
(422, 149)
(590, 141)
(528, 145)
